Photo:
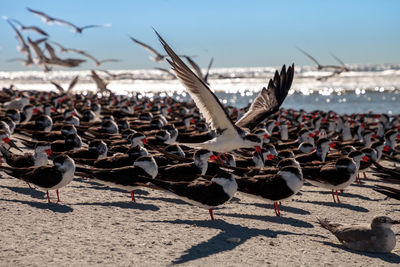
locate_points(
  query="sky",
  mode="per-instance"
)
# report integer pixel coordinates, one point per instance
(235, 33)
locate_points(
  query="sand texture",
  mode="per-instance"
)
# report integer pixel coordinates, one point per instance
(98, 225)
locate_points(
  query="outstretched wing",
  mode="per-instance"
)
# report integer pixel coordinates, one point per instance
(208, 70)
(205, 100)
(309, 56)
(73, 83)
(269, 99)
(149, 48)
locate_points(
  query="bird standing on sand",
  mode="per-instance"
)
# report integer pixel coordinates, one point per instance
(377, 237)
(47, 177)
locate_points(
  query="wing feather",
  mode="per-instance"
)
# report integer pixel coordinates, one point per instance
(205, 99)
(269, 99)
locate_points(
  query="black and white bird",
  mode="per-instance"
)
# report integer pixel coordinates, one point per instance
(38, 158)
(230, 136)
(47, 177)
(200, 192)
(336, 177)
(127, 178)
(273, 187)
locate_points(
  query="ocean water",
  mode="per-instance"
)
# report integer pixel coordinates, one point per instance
(366, 88)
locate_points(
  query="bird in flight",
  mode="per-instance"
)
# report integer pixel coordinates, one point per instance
(48, 19)
(29, 28)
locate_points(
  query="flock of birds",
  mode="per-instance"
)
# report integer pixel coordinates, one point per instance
(199, 150)
(46, 57)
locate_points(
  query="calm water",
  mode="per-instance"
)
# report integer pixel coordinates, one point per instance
(365, 88)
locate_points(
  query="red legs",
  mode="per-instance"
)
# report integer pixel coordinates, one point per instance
(29, 185)
(365, 175)
(337, 196)
(211, 214)
(58, 196)
(358, 179)
(48, 197)
(333, 196)
(133, 196)
(276, 209)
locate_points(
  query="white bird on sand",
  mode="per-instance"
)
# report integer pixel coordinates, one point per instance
(377, 237)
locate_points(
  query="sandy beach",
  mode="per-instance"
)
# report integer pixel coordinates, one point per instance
(98, 225)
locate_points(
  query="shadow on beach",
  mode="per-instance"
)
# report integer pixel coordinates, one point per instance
(122, 204)
(220, 242)
(387, 257)
(32, 192)
(55, 207)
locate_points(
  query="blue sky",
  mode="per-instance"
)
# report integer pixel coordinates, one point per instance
(235, 33)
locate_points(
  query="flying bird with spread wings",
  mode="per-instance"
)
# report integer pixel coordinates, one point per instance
(48, 19)
(230, 136)
(84, 53)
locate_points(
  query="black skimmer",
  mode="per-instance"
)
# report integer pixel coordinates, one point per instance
(377, 237)
(6, 142)
(97, 150)
(204, 193)
(48, 19)
(24, 48)
(38, 158)
(71, 85)
(273, 187)
(85, 54)
(336, 177)
(322, 148)
(319, 66)
(43, 123)
(186, 171)
(230, 136)
(116, 161)
(125, 177)
(29, 28)
(46, 177)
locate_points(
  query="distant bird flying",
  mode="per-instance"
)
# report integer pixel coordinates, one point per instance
(84, 53)
(319, 66)
(158, 57)
(48, 19)
(30, 28)
(70, 86)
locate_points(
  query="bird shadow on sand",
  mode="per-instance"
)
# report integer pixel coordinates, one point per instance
(272, 219)
(336, 205)
(54, 207)
(32, 192)
(283, 207)
(387, 257)
(122, 205)
(99, 186)
(344, 194)
(221, 242)
(169, 200)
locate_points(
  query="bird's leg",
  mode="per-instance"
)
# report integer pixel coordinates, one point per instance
(211, 214)
(48, 197)
(29, 185)
(337, 196)
(221, 161)
(276, 209)
(333, 196)
(365, 175)
(133, 196)
(358, 178)
(58, 196)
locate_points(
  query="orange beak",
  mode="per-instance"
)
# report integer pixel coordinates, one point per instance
(258, 149)
(332, 145)
(144, 140)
